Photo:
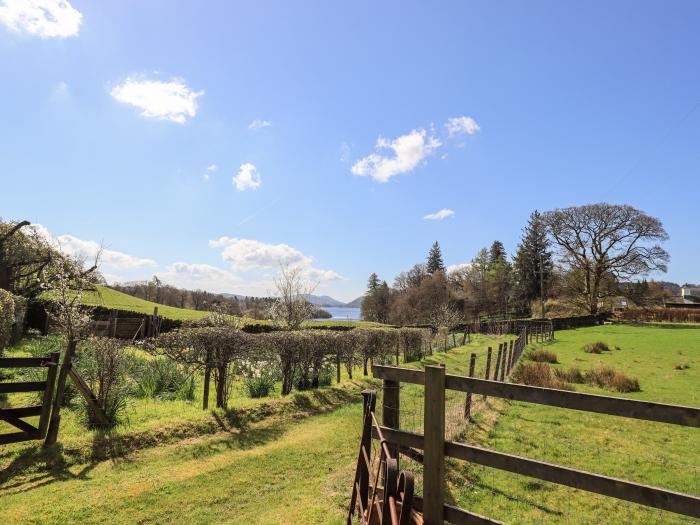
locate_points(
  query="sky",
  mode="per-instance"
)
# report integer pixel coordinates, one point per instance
(209, 143)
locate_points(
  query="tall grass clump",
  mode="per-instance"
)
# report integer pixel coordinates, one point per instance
(570, 375)
(542, 356)
(162, 378)
(611, 379)
(538, 374)
(596, 348)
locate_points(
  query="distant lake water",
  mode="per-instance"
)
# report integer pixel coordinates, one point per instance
(342, 313)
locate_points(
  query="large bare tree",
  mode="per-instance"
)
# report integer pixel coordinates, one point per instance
(603, 243)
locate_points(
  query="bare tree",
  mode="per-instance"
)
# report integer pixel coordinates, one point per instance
(600, 243)
(290, 307)
(446, 315)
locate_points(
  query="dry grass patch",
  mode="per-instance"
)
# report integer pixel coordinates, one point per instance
(538, 374)
(542, 356)
(611, 379)
(596, 348)
(570, 375)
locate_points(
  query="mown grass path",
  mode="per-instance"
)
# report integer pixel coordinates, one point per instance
(278, 471)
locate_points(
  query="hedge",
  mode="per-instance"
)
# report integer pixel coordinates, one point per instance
(7, 317)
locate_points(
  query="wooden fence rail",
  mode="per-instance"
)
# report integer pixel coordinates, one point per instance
(431, 448)
(15, 415)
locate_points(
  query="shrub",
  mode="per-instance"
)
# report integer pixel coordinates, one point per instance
(259, 385)
(104, 365)
(162, 378)
(596, 348)
(611, 379)
(7, 317)
(543, 356)
(571, 375)
(538, 374)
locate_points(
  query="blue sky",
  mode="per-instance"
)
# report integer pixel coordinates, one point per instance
(335, 129)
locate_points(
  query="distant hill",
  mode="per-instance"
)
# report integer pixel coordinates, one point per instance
(357, 303)
(323, 300)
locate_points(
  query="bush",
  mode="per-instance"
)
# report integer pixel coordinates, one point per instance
(682, 366)
(163, 379)
(538, 374)
(611, 379)
(543, 356)
(596, 348)
(259, 385)
(571, 375)
(104, 365)
(7, 317)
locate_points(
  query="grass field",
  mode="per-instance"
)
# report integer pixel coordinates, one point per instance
(645, 452)
(291, 466)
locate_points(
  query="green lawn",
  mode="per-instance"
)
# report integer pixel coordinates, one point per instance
(645, 452)
(296, 466)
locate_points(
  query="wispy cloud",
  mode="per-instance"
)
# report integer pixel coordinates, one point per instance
(439, 215)
(259, 124)
(461, 126)
(42, 18)
(408, 152)
(247, 178)
(172, 100)
(196, 276)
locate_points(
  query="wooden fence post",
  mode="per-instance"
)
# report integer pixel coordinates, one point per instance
(369, 400)
(510, 356)
(391, 409)
(497, 366)
(397, 354)
(468, 398)
(55, 423)
(48, 394)
(454, 339)
(488, 366)
(434, 446)
(503, 362)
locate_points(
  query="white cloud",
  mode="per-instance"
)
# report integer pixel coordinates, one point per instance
(42, 18)
(199, 276)
(71, 245)
(247, 178)
(439, 215)
(461, 126)
(259, 124)
(458, 268)
(409, 151)
(212, 168)
(172, 100)
(248, 254)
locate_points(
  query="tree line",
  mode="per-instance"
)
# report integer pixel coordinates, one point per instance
(569, 261)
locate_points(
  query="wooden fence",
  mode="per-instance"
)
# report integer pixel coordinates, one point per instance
(431, 447)
(129, 326)
(15, 415)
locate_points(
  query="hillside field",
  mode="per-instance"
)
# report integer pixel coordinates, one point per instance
(293, 466)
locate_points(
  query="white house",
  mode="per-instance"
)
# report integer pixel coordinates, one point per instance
(690, 292)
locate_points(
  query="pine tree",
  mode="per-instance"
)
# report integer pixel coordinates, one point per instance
(434, 262)
(497, 254)
(372, 282)
(532, 264)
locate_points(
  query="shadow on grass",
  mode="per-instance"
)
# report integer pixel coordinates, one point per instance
(35, 466)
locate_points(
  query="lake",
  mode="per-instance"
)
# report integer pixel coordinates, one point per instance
(342, 313)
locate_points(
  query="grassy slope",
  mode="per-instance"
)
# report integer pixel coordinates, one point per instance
(110, 298)
(646, 452)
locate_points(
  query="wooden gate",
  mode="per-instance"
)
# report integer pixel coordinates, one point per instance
(15, 415)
